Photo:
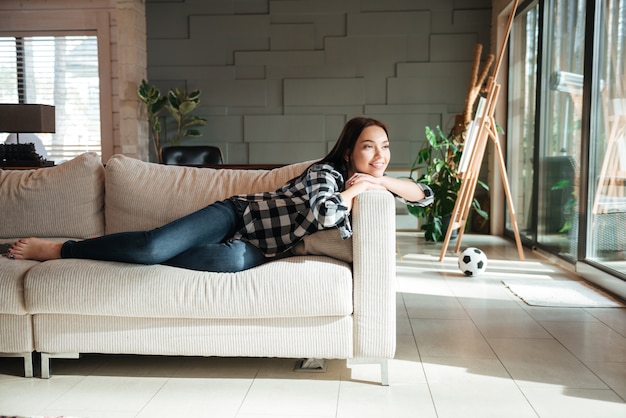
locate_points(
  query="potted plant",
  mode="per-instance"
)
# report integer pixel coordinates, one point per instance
(180, 104)
(151, 97)
(436, 165)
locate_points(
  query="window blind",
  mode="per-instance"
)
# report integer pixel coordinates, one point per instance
(61, 71)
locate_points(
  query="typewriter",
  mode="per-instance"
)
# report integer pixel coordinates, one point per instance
(21, 155)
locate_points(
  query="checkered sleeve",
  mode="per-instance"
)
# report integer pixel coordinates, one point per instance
(323, 185)
(427, 200)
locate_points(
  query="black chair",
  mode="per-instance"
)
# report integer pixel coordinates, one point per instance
(192, 155)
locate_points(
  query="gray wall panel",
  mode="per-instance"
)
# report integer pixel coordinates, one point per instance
(279, 78)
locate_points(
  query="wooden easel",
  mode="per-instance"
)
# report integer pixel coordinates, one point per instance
(480, 131)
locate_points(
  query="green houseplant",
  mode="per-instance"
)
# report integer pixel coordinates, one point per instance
(436, 165)
(180, 104)
(151, 97)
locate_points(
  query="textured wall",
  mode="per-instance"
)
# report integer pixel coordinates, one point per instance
(279, 78)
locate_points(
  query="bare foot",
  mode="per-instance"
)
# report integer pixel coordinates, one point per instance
(35, 249)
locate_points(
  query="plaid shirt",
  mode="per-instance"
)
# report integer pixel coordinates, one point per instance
(275, 221)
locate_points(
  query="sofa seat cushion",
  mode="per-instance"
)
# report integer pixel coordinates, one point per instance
(66, 200)
(141, 196)
(12, 275)
(291, 287)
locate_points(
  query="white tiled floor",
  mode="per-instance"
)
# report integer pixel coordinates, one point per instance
(467, 347)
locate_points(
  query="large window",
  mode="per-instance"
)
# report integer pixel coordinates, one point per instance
(521, 123)
(544, 153)
(61, 71)
(567, 129)
(560, 124)
(607, 179)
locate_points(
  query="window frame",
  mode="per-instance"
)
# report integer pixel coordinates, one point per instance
(67, 23)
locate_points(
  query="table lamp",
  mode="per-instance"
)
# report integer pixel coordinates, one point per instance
(24, 118)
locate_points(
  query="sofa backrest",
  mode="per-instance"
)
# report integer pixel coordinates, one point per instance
(141, 196)
(62, 201)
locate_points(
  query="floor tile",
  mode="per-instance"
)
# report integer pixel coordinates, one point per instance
(274, 415)
(403, 325)
(105, 393)
(406, 349)
(540, 362)
(541, 313)
(613, 374)
(397, 401)
(507, 322)
(589, 341)
(31, 396)
(428, 306)
(478, 388)
(292, 397)
(89, 413)
(575, 403)
(198, 397)
(450, 338)
(612, 317)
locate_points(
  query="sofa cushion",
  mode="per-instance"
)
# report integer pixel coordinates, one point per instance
(12, 285)
(291, 287)
(326, 242)
(142, 196)
(66, 200)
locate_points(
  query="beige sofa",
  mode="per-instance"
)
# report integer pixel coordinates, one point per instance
(309, 306)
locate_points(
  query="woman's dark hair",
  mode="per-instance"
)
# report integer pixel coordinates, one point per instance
(347, 139)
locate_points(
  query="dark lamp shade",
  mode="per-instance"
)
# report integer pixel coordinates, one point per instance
(27, 118)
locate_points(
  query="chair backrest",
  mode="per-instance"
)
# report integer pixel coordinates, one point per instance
(192, 155)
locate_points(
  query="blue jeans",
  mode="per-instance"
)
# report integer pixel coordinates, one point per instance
(198, 241)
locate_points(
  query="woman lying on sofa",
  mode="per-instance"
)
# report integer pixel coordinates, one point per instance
(245, 231)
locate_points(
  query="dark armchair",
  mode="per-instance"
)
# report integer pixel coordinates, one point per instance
(192, 155)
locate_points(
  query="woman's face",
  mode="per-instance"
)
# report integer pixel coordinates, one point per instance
(370, 154)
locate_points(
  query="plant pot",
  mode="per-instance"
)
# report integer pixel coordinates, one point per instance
(446, 223)
(431, 233)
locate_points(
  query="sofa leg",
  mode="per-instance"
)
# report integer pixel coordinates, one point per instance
(28, 364)
(28, 361)
(315, 365)
(384, 372)
(45, 361)
(384, 367)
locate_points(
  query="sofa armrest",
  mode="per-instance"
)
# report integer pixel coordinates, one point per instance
(374, 269)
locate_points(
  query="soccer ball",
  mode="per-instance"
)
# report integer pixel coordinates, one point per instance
(472, 262)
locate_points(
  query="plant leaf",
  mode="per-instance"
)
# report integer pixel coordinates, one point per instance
(192, 132)
(194, 96)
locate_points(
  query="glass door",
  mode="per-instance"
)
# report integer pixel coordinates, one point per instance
(560, 122)
(523, 63)
(544, 122)
(607, 179)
